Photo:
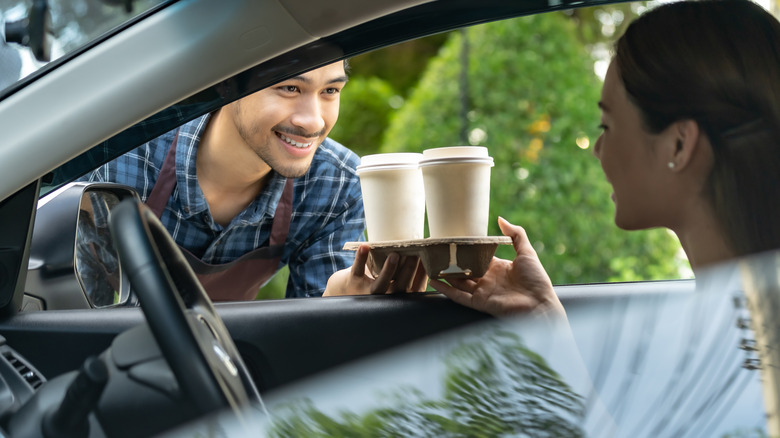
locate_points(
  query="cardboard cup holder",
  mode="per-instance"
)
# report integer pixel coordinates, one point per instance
(453, 257)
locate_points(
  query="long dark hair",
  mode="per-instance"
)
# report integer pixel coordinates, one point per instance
(716, 62)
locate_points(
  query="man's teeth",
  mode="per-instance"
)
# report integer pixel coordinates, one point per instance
(290, 141)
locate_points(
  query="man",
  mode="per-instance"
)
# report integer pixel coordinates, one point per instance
(254, 186)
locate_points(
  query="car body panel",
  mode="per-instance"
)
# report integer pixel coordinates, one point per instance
(649, 363)
(284, 341)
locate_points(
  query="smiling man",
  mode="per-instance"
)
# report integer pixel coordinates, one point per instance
(255, 186)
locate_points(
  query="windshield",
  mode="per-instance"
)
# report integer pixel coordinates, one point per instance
(36, 32)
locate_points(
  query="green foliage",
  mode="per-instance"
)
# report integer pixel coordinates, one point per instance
(400, 64)
(533, 97)
(366, 104)
(603, 24)
(746, 433)
(276, 288)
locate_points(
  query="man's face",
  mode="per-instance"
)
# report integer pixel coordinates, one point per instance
(285, 123)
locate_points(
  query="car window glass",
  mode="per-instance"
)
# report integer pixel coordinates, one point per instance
(626, 364)
(67, 25)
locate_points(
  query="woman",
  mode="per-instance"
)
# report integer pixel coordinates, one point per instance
(691, 142)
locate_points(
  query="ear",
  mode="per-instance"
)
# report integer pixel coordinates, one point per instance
(685, 136)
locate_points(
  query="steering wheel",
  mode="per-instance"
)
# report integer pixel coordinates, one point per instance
(182, 318)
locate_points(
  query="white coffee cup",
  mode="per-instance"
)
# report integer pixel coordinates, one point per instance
(457, 190)
(393, 196)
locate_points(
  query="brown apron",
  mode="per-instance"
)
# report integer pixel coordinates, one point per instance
(242, 278)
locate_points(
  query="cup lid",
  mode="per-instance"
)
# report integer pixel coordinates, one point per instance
(456, 151)
(457, 160)
(397, 160)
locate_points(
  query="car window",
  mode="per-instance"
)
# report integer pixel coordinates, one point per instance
(528, 94)
(36, 32)
(530, 97)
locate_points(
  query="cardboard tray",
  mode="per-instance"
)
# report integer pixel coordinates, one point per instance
(455, 257)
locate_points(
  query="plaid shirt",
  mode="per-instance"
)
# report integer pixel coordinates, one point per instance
(327, 208)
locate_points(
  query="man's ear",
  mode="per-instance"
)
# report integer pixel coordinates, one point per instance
(685, 135)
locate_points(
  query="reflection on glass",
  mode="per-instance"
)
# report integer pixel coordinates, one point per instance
(698, 363)
(762, 289)
(97, 261)
(495, 386)
(69, 25)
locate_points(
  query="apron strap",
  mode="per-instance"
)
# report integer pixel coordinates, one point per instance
(242, 278)
(166, 181)
(283, 215)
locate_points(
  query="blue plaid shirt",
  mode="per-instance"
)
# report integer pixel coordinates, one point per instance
(327, 208)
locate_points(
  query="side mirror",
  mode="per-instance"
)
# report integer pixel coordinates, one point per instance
(73, 263)
(33, 31)
(96, 259)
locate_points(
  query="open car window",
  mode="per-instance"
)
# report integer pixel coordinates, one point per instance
(529, 95)
(524, 87)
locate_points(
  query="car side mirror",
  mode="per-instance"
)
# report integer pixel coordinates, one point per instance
(73, 263)
(96, 258)
(33, 31)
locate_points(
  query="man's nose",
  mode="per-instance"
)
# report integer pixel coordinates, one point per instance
(308, 115)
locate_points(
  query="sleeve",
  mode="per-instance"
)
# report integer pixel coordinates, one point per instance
(322, 254)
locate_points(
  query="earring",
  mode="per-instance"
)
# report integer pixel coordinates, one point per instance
(671, 164)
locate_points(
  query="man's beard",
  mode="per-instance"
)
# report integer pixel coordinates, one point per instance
(278, 164)
(283, 168)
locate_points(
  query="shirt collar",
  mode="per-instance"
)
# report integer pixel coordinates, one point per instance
(266, 203)
(190, 195)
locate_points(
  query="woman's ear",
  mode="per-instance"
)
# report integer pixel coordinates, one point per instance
(685, 135)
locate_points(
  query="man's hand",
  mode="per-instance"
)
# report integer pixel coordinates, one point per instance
(398, 275)
(521, 285)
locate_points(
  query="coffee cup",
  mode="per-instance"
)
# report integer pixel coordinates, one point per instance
(457, 190)
(393, 196)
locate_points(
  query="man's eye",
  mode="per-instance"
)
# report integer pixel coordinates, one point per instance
(332, 90)
(289, 88)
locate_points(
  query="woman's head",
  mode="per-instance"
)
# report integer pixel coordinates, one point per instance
(715, 63)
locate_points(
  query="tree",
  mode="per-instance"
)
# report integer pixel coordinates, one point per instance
(366, 109)
(379, 83)
(532, 97)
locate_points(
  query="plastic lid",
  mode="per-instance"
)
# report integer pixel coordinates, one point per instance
(456, 151)
(458, 160)
(399, 160)
(393, 158)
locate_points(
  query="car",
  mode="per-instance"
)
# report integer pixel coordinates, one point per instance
(105, 331)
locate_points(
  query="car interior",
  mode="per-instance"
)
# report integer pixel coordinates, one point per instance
(152, 352)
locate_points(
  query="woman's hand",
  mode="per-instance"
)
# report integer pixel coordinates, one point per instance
(507, 288)
(398, 275)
